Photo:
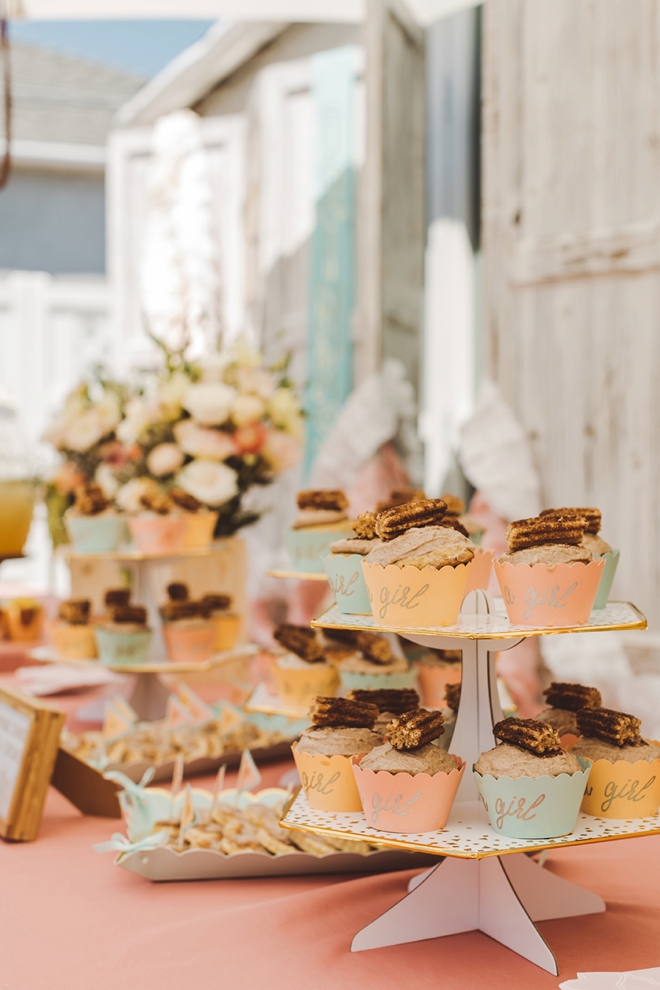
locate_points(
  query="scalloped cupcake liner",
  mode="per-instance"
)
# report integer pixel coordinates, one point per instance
(622, 789)
(481, 566)
(533, 807)
(408, 597)
(199, 530)
(122, 648)
(347, 582)
(307, 546)
(328, 781)
(227, 628)
(158, 534)
(189, 645)
(96, 534)
(433, 682)
(401, 802)
(540, 596)
(611, 563)
(298, 687)
(73, 642)
(351, 679)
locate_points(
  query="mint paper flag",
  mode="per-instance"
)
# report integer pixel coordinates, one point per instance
(248, 775)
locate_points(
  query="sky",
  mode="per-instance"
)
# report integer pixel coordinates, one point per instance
(143, 47)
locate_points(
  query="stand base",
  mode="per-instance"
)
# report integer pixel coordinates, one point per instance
(502, 896)
(148, 697)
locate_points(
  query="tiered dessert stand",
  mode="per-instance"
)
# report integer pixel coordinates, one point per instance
(150, 574)
(483, 880)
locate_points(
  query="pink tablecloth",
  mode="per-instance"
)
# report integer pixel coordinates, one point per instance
(70, 920)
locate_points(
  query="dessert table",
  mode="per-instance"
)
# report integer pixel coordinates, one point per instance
(70, 920)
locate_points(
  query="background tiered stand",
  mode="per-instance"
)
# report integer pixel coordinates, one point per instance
(483, 880)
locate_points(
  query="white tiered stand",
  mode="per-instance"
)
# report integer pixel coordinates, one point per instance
(483, 880)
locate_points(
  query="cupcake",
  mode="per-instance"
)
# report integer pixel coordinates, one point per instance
(200, 521)
(625, 768)
(418, 574)
(72, 633)
(435, 670)
(449, 710)
(322, 519)
(340, 730)
(564, 701)
(303, 672)
(23, 619)
(161, 527)
(188, 632)
(597, 546)
(92, 523)
(343, 565)
(217, 608)
(368, 662)
(123, 636)
(409, 783)
(531, 788)
(548, 578)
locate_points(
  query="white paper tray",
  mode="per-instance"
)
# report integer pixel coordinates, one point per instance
(208, 864)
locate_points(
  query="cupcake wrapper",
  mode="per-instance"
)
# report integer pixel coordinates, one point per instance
(227, 628)
(158, 534)
(73, 642)
(307, 546)
(199, 529)
(480, 571)
(410, 598)
(373, 682)
(189, 645)
(433, 682)
(328, 782)
(96, 534)
(119, 648)
(298, 688)
(540, 596)
(533, 808)
(607, 577)
(401, 802)
(347, 583)
(622, 789)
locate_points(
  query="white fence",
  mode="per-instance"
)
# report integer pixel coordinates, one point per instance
(52, 329)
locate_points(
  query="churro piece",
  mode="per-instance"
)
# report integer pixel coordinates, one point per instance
(215, 602)
(453, 522)
(177, 591)
(331, 498)
(413, 729)
(75, 611)
(184, 500)
(591, 515)
(538, 738)
(340, 713)
(364, 526)
(90, 500)
(453, 696)
(117, 596)
(455, 505)
(394, 700)
(272, 844)
(539, 530)
(129, 613)
(572, 697)
(617, 728)
(412, 515)
(156, 502)
(300, 640)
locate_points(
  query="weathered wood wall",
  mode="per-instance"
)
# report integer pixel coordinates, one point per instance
(571, 205)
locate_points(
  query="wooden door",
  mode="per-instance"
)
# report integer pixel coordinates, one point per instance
(572, 247)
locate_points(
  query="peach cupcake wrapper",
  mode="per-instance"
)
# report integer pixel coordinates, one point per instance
(158, 534)
(533, 807)
(480, 570)
(298, 687)
(541, 596)
(411, 598)
(401, 802)
(328, 781)
(433, 682)
(189, 645)
(622, 789)
(199, 529)
(73, 642)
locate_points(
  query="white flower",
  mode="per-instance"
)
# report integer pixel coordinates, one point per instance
(108, 410)
(129, 495)
(166, 458)
(247, 409)
(171, 394)
(210, 482)
(213, 367)
(285, 411)
(84, 431)
(256, 380)
(246, 356)
(209, 402)
(200, 441)
(281, 450)
(139, 414)
(105, 478)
